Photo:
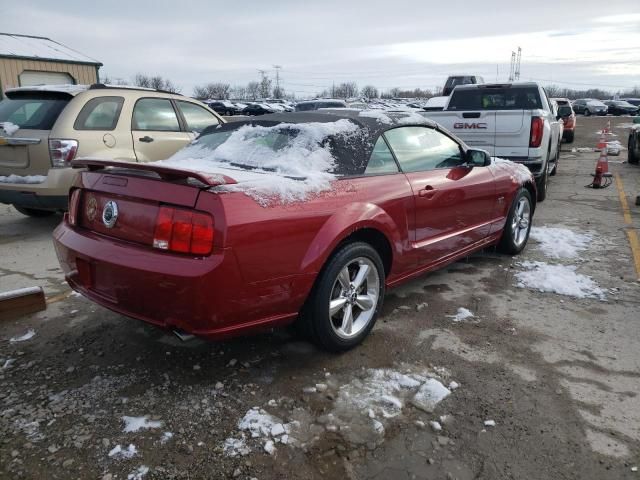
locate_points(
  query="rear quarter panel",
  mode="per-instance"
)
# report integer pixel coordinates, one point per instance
(296, 239)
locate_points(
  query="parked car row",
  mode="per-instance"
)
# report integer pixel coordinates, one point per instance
(590, 106)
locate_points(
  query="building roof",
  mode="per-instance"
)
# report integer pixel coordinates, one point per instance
(40, 48)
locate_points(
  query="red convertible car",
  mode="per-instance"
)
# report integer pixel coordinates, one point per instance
(305, 217)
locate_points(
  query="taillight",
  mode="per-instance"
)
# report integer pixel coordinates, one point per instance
(537, 127)
(74, 202)
(62, 151)
(183, 231)
(568, 122)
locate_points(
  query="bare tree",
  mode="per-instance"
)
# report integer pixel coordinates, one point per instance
(253, 90)
(265, 87)
(214, 90)
(346, 90)
(157, 82)
(238, 91)
(278, 92)
(369, 91)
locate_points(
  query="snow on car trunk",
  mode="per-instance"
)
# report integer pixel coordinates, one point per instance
(283, 163)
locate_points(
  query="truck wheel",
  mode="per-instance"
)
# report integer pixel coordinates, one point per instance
(632, 157)
(345, 302)
(569, 136)
(516, 231)
(542, 183)
(33, 212)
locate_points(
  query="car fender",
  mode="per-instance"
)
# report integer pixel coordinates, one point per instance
(346, 221)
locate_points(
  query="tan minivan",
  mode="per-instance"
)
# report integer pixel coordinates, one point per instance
(43, 128)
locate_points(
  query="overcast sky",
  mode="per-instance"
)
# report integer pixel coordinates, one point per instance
(399, 43)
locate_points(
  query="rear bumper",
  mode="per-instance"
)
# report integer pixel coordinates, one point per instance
(535, 165)
(204, 296)
(51, 194)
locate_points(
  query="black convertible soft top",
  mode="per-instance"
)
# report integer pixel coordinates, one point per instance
(352, 152)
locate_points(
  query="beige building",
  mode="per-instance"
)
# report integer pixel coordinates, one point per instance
(27, 60)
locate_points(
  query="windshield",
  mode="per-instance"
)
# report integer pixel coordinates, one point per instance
(36, 112)
(564, 111)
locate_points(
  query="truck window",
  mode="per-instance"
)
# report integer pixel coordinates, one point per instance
(507, 98)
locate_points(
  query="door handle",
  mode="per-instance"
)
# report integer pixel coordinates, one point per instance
(146, 139)
(427, 192)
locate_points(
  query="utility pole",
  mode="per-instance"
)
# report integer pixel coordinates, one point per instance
(513, 66)
(278, 67)
(517, 72)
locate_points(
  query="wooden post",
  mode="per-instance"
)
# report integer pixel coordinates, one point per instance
(15, 303)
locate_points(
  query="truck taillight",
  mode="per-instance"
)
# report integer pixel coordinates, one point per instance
(183, 231)
(537, 127)
(62, 151)
(74, 202)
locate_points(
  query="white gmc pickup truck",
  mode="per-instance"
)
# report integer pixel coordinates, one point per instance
(516, 121)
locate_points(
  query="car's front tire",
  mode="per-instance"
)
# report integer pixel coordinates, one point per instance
(516, 231)
(34, 212)
(346, 299)
(586, 112)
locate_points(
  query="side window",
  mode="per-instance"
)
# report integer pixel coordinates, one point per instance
(155, 114)
(420, 148)
(381, 160)
(100, 113)
(197, 117)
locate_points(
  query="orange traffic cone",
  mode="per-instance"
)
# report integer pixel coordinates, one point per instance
(602, 177)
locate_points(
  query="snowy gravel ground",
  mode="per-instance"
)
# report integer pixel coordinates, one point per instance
(470, 373)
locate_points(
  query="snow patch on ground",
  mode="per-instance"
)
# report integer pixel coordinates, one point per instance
(133, 424)
(118, 452)
(290, 174)
(429, 395)
(9, 128)
(234, 447)
(26, 179)
(559, 242)
(560, 279)
(139, 473)
(461, 315)
(518, 172)
(23, 338)
(166, 436)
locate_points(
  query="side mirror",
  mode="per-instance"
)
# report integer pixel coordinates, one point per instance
(477, 158)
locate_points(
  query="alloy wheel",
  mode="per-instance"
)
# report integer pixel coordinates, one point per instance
(520, 222)
(354, 297)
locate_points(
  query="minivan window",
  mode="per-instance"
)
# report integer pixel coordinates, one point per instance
(33, 112)
(508, 98)
(155, 114)
(197, 118)
(100, 113)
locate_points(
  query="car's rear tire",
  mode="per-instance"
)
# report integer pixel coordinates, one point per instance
(33, 212)
(569, 136)
(631, 152)
(346, 299)
(516, 231)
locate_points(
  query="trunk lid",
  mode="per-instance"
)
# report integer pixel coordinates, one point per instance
(138, 192)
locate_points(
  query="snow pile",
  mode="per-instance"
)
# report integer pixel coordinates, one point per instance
(22, 179)
(123, 453)
(166, 436)
(235, 446)
(560, 242)
(9, 128)
(379, 115)
(518, 172)
(258, 424)
(411, 117)
(295, 171)
(139, 473)
(461, 315)
(133, 424)
(582, 150)
(560, 279)
(429, 395)
(23, 338)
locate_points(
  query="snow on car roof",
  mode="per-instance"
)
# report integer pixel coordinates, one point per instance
(66, 88)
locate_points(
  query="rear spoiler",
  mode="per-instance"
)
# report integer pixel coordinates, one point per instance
(165, 173)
